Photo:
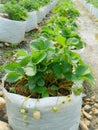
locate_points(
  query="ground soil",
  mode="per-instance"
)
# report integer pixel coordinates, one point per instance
(88, 30)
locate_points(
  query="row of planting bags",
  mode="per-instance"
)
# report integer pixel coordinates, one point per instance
(12, 31)
(90, 8)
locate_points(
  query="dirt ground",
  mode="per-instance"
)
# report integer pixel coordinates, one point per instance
(88, 30)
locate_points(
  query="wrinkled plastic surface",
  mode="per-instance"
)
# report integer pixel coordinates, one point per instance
(31, 22)
(66, 118)
(12, 31)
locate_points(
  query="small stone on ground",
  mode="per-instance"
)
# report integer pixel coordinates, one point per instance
(4, 126)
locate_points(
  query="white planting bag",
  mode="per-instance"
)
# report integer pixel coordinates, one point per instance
(12, 31)
(66, 118)
(43, 11)
(40, 15)
(47, 8)
(96, 13)
(90, 7)
(53, 4)
(31, 22)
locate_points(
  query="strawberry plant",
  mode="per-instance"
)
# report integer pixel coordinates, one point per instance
(63, 32)
(46, 70)
(94, 2)
(66, 9)
(30, 5)
(62, 29)
(5, 1)
(15, 11)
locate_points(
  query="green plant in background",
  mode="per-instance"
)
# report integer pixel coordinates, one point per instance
(15, 11)
(94, 2)
(45, 68)
(44, 2)
(30, 5)
(5, 1)
(62, 29)
(66, 9)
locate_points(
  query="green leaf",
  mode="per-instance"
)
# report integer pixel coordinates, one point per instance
(32, 83)
(77, 91)
(48, 30)
(22, 52)
(40, 44)
(42, 67)
(19, 71)
(25, 61)
(82, 70)
(42, 91)
(13, 77)
(26, 86)
(37, 44)
(45, 94)
(12, 66)
(89, 77)
(12, 90)
(57, 70)
(38, 56)
(30, 70)
(61, 40)
(73, 41)
(41, 82)
(53, 87)
(62, 69)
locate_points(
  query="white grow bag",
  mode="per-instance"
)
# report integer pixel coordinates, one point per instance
(31, 22)
(96, 12)
(12, 31)
(47, 8)
(53, 4)
(90, 8)
(66, 118)
(40, 14)
(43, 11)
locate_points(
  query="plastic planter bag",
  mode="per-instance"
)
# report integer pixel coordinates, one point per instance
(67, 116)
(31, 22)
(12, 31)
(40, 15)
(53, 4)
(47, 8)
(96, 12)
